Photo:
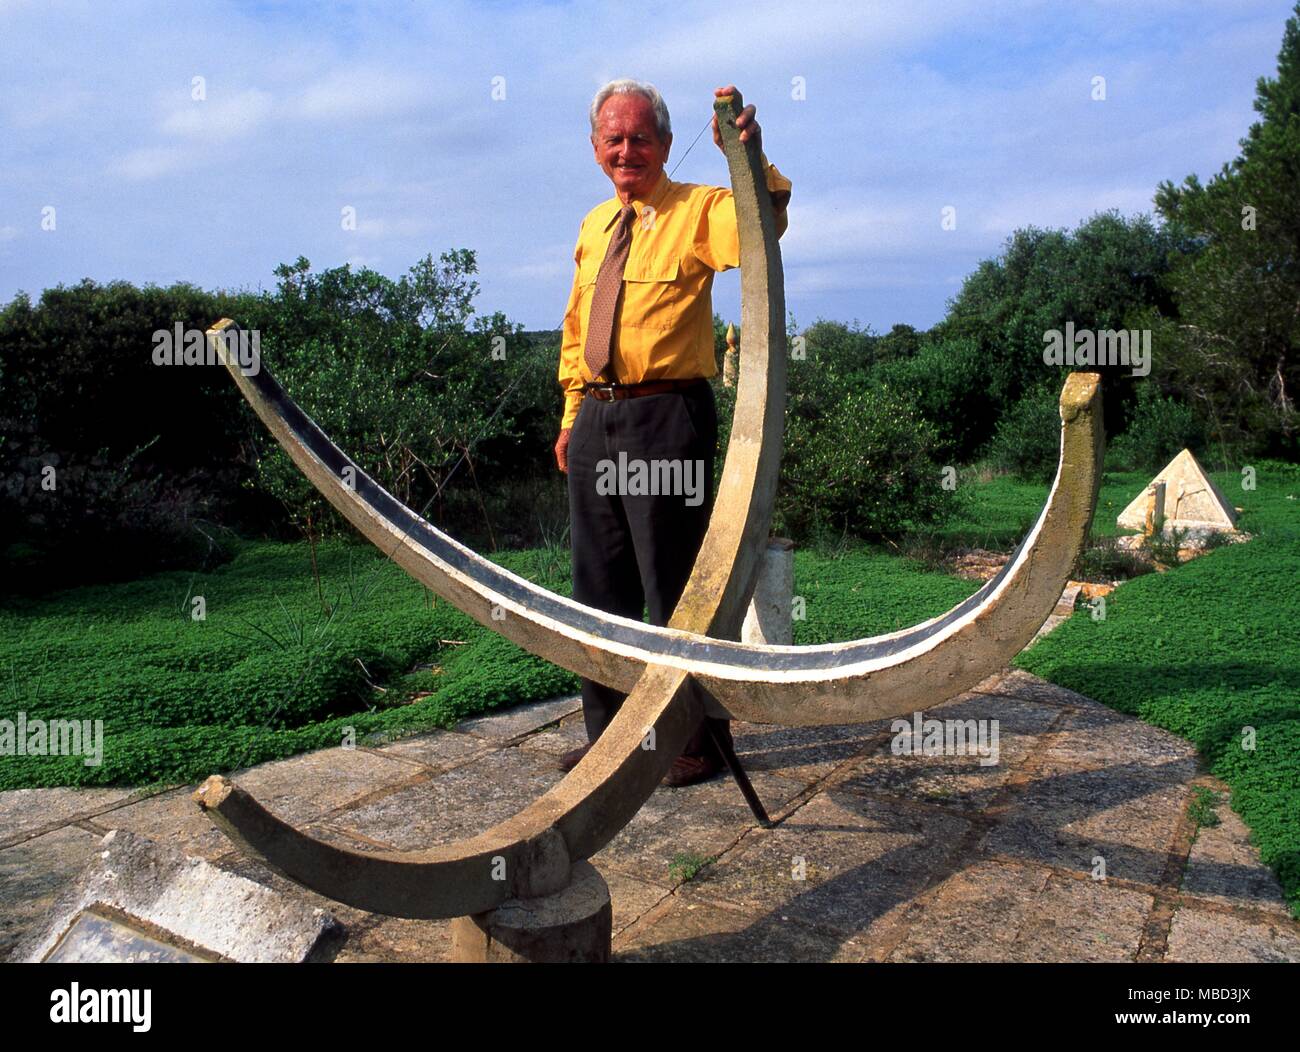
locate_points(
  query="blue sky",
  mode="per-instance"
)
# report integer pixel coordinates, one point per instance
(910, 107)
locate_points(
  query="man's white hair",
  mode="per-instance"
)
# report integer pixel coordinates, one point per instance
(626, 86)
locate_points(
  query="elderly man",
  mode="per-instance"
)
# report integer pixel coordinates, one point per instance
(639, 414)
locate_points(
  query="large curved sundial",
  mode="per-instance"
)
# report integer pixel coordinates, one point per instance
(533, 854)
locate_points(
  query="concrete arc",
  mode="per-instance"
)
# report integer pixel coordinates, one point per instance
(811, 684)
(531, 854)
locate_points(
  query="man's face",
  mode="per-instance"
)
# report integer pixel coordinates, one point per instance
(628, 147)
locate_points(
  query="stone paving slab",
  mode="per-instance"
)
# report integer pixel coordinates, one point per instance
(169, 818)
(440, 750)
(1068, 819)
(965, 782)
(1203, 936)
(837, 864)
(389, 939)
(805, 754)
(993, 911)
(702, 820)
(703, 933)
(632, 898)
(305, 787)
(570, 733)
(523, 719)
(1018, 683)
(1223, 867)
(23, 812)
(1100, 739)
(903, 858)
(458, 803)
(298, 790)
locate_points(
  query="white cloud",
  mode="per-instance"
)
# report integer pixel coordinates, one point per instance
(1059, 206)
(220, 117)
(348, 94)
(823, 231)
(154, 162)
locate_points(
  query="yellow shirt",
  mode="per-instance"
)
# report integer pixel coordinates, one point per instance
(683, 233)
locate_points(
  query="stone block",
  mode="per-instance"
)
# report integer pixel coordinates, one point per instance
(158, 896)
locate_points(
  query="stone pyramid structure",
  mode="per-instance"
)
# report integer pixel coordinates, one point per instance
(1185, 496)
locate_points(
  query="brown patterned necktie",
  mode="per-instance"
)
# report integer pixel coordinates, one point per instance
(609, 283)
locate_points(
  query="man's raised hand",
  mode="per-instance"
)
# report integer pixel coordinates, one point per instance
(745, 121)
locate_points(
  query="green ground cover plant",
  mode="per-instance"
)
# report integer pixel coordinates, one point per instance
(267, 673)
(270, 671)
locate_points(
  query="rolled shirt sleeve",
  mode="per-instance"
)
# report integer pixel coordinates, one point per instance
(715, 240)
(571, 347)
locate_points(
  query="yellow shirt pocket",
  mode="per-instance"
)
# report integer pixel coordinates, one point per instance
(652, 294)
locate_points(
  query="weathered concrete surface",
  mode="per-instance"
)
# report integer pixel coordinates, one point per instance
(1011, 912)
(905, 858)
(24, 812)
(187, 902)
(1221, 868)
(769, 618)
(1211, 936)
(433, 811)
(33, 873)
(557, 739)
(515, 723)
(300, 789)
(573, 926)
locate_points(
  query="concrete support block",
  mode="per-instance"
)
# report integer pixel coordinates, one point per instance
(572, 926)
(768, 619)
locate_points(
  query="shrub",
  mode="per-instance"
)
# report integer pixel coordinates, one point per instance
(1027, 441)
(864, 464)
(1103, 560)
(948, 378)
(1160, 429)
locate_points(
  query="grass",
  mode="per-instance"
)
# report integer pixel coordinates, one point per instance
(1000, 511)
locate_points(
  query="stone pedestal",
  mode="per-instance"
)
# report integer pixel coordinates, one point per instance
(768, 619)
(573, 926)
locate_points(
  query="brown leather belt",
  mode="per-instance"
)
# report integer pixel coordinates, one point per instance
(613, 391)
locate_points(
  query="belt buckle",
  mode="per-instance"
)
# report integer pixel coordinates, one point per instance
(608, 387)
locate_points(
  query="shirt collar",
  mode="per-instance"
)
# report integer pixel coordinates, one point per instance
(616, 206)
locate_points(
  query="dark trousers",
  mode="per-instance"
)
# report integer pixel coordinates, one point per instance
(632, 549)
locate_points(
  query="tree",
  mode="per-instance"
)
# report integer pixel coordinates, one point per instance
(401, 375)
(1099, 276)
(1236, 331)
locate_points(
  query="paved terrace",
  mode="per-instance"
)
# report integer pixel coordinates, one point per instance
(904, 858)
